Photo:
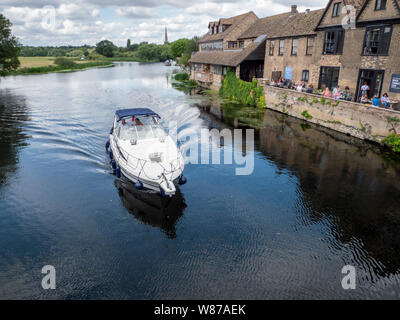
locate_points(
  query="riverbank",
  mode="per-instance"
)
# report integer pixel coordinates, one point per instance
(57, 69)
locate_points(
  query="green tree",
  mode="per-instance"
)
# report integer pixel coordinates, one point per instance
(178, 47)
(128, 44)
(9, 48)
(106, 48)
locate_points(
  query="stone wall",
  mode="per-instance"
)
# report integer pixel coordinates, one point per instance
(354, 119)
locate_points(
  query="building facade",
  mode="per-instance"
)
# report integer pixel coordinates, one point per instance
(324, 48)
(348, 43)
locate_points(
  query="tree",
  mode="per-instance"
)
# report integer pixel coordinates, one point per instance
(106, 48)
(9, 48)
(178, 47)
(128, 44)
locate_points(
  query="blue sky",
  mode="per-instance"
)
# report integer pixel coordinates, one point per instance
(77, 22)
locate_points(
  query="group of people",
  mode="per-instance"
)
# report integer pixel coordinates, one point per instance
(339, 94)
(383, 101)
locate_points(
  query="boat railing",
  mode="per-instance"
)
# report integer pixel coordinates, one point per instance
(139, 164)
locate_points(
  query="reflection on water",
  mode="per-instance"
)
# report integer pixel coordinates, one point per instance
(348, 181)
(317, 200)
(151, 208)
(13, 116)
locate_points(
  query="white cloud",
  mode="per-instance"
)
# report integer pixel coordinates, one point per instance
(89, 21)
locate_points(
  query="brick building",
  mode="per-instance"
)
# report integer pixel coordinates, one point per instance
(320, 47)
(221, 48)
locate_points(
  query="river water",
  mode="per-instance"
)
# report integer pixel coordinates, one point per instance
(316, 201)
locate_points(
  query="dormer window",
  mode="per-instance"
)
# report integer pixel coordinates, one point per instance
(336, 9)
(220, 28)
(380, 5)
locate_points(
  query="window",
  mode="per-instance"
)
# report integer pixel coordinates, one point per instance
(271, 47)
(310, 46)
(380, 5)
(241, 44)
(333, 43)
(209, 46)
(336, 9)
(305, 76)
(217, 69)
(232, 44)
(377, 40)
(197, 66)
(329, 77)
(220, 28)
(281, 47)
(295, 45)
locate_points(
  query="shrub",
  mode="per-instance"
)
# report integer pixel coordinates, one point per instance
(63, 62)
(393, 141)
(181, 77)
(248, 93)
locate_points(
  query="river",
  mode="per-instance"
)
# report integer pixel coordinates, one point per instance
(316, 201)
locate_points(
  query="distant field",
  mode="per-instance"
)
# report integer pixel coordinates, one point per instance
(31, 62)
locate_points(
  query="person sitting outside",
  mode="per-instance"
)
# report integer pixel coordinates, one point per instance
(376, 102)
(385, 101)
(299, 87)
(346, 94)
(337, 93)
(310, 89)
(365, 99)
(327, 93)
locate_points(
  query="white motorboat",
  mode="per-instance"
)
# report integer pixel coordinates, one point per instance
(142, 151)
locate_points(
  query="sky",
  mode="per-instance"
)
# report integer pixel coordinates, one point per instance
(78, 22)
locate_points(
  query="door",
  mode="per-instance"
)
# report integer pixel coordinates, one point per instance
(374, 79)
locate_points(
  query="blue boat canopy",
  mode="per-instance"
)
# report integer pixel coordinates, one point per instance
(134, 113)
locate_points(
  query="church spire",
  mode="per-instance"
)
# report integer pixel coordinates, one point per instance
(166, 36)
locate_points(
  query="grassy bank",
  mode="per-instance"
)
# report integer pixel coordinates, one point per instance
(54, 68)
(128, 59)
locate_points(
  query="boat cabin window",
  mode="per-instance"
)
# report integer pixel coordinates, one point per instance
(140, 128)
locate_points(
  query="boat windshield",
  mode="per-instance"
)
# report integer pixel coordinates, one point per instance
(140, 128)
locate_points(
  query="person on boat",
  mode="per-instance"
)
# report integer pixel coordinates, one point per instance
(123, 122)
(138, 122)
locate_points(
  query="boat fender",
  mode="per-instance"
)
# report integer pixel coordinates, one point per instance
(182, 180)
(112, 131)
(163, 193)
(107, 145)
(118, 172)
(139, 185)
(113, 164)
(111, 155)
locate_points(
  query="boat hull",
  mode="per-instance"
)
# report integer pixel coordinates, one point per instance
(165, 187)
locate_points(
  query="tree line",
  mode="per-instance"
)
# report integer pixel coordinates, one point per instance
(10, 50)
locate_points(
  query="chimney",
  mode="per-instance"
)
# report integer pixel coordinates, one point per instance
(294, 9)
(308, 10)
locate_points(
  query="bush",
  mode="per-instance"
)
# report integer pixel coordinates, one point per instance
(248, 93)
(63, 62)
(393, 141)
(181, 77)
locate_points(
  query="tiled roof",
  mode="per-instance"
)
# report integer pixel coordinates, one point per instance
(231, 58)
(223, 58)
(262, 26)
(234, 21)
(285, 25)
